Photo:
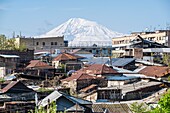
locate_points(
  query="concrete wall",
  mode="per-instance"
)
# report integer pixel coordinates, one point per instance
(41, 43)
(91, 97)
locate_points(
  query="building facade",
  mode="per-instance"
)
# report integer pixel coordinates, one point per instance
(44, 43)
(134, 44)
(159, 36)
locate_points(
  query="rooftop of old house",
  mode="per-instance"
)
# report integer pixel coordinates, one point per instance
(79, 75)
(39, 64)
(67, 56)
(111, 107)
(155, 71)
(132, 87)
(99, 69)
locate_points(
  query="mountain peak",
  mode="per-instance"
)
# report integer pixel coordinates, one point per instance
(78, 30)
(81, 21)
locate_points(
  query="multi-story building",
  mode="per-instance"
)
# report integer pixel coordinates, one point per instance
(41, 43)
(137, 41)
(159, 36)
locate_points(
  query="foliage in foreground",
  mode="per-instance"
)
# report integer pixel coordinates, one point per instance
(50, 109)
(163, 105)
(2, 80)
(138, 108)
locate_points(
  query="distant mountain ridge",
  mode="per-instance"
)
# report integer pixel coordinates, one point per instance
(81, 32)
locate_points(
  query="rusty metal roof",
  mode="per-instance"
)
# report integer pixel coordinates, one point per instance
(100, 69)
(13, 84)
(155, 71)
(79, 75)
(66, 56)
(38, 64)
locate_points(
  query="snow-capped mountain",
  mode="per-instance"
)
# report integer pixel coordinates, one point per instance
(81, 32)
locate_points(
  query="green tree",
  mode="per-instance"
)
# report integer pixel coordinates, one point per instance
(163, 104)
(168, 78)
(10, 44)
(138, 107)
(51, 108)
(2, 80)
(166, 59)
(22, 47)
(2, 42)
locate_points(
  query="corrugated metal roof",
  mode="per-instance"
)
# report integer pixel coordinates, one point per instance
(121, 78)
(9, 56)
(67, 56)
(75, 108)
(165, 50)
(100, 69)
(50, 98)
(77, 100)
(155, 71)
(38, 64)
(121, 70)
(148, 63)
(56, 95)
(10, 85)
(121, 61)
(97, 60)
(106, 60)
(79, 75)
(111, 108)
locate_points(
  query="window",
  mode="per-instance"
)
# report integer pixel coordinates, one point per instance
(37, 43)
(51, 43)
(43, 43)
(55, 43)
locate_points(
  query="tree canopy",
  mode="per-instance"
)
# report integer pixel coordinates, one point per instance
(9, 44)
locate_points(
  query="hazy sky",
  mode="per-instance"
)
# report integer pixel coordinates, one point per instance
(35, 17)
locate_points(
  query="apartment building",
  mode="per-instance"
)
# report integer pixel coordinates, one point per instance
(159, 36)
(41, 43)
(134, 44)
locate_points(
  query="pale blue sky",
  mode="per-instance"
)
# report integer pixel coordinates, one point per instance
(35, 17)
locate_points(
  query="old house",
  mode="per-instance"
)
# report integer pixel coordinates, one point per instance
(133, 91)
(39, 68)
(79, 80)
(121, 80)
(71, 61)
(8, 63)
(25, 56)
(125, 63)
(13, 95)
(15, 88)
(100, 70)
(156, 71)
(67, 103)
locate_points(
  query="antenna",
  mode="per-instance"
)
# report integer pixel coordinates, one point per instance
(20, 34)
(13, 34)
